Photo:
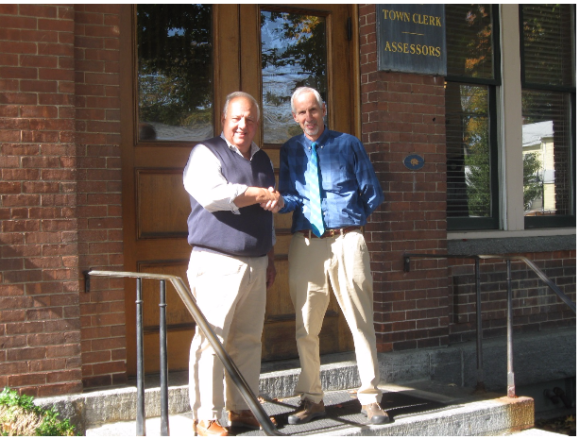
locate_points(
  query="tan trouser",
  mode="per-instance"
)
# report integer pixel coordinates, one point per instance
(231, 293)
(343, 263)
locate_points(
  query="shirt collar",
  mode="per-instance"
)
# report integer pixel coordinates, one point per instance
(253, 148)
(320, 141)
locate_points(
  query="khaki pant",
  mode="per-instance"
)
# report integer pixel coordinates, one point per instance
(315, 265)
(231, 293)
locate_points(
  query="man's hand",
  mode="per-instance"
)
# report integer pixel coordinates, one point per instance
(256, 195)
(275, 204)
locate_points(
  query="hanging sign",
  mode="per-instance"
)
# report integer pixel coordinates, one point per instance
(411, 38)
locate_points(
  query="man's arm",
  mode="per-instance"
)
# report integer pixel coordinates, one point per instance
(290, 199)
(204, 181)
(370, 188)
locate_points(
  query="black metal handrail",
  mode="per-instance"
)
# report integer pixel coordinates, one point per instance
(189, 302)
(511, 387)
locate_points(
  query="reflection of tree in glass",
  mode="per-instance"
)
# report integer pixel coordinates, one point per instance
(547, 44)
(539, 106)
(475, 145)
(304, 44)
(532, 180)
(469, 40)
(175, 69)
(477, 163)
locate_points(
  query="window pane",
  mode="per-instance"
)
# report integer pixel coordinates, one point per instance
(175, 72)
(293, 55)
(468, 151)
(469, 41)
(547, 40)
(546, 153)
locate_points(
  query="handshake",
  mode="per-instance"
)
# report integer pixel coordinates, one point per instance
(271, 200)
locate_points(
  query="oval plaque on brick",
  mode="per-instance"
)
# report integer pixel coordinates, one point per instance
(414, 162)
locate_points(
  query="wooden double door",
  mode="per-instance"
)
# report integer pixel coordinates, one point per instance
(263, 50)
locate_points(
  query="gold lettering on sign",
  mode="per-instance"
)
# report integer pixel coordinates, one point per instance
(413, 49)
(426, 20)
(396, 15)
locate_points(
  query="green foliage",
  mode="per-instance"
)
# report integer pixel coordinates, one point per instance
(46, 421)
(52, 426)
(11, 398)
(533, 183)
(477, 161)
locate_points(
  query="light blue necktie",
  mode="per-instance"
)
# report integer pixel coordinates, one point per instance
(313, 185)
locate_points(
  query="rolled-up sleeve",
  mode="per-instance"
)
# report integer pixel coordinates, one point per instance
(204, 181)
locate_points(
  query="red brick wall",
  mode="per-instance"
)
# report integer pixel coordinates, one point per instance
(404, 114)
(60, 198)
(535, 306)
(39, 301)
(60, 208)
(97, 101)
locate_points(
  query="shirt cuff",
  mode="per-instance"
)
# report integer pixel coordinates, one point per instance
(288, 207)
(238, 189)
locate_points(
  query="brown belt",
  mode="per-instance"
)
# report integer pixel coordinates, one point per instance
(330, 232)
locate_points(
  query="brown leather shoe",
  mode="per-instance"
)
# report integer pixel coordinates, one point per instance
(245, 419)
(307, 411)
(376, 414)
(209, 428)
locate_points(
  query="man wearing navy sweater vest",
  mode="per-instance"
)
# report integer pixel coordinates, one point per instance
(231, 263)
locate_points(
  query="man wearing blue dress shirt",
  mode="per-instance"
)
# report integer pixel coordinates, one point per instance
(332, 255)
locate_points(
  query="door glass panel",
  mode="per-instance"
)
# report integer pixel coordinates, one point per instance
(175, 72)
(293, 55)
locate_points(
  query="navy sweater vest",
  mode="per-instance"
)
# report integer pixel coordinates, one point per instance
(246, 234)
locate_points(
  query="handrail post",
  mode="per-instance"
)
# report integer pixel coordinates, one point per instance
(189, 301)
(164, 392)
(479, 332)
(141, 430)
(511, 385)
(479, 327)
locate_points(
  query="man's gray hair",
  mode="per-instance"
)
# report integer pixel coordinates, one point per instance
(301, 90)
(240, 94)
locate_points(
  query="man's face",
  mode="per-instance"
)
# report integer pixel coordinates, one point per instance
(240, 123)
(309, 115)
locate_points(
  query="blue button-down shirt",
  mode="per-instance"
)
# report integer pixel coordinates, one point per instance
(350, 189)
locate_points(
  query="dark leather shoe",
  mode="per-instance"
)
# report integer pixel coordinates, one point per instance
(376, 414)
(209, 428)
(307, 411)
(245, 419)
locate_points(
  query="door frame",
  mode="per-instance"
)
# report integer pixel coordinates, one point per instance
(239, 73)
